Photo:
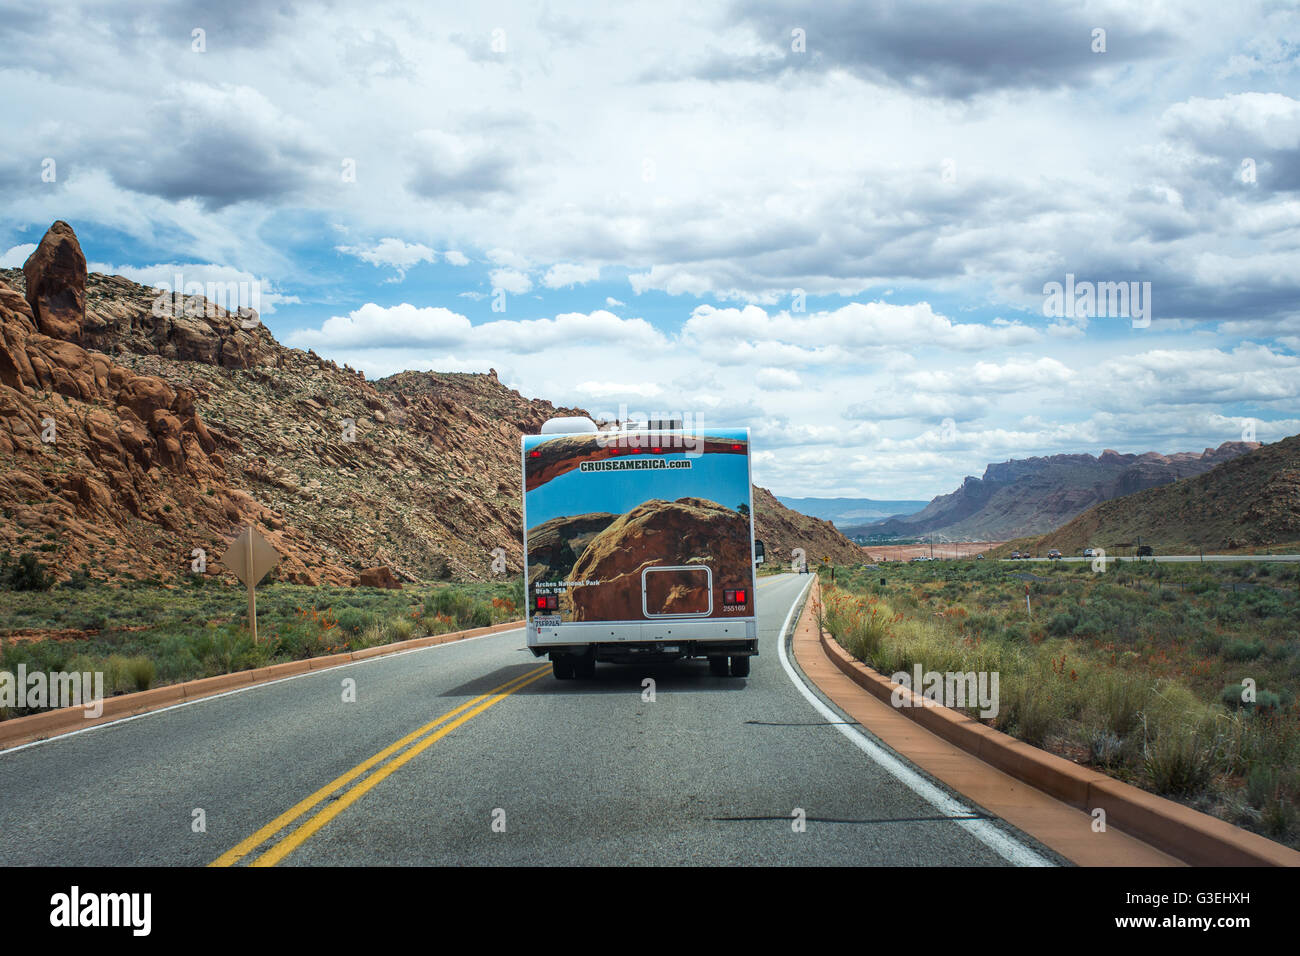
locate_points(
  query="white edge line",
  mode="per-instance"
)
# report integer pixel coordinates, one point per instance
(991, 836)
(243, 690)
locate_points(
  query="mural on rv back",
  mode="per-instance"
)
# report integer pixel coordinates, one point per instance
(603, 515)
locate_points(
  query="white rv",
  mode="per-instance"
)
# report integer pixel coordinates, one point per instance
(638, 546)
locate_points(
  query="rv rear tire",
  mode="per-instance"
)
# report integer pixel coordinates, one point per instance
(562, 667)
(740, 666)
(718, 666)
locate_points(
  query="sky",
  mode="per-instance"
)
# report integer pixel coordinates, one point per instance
(837, 224)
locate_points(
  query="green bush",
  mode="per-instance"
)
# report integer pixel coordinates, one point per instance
(1232, 696)
(1243, 650)
(25, 574)
(141, 672)
(78, 580)
(1179, 763)
(1122, 699)
(1262, 786)
(401, 628)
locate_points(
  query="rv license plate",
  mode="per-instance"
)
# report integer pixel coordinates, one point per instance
(546, 620)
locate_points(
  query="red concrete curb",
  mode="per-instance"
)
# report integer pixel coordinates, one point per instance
(1180, 831)
(53, 723)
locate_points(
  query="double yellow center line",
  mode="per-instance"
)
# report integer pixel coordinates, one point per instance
(427, 736)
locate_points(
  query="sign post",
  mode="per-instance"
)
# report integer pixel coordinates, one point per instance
(250, 557)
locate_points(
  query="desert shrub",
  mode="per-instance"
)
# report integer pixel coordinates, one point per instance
(1243, 650)
(78, 580)
(1233, 696)
(224, 650)
(401, 627)
(1106, 748)
(1262, 785)
(24, 574)
(1179, 762)
(480, 615)
(1121, 699)
(860, 625)
(1210, 643)
(1037, 712)
(1062, 623)
(449, 602)
(1279, 819)
(176, 660)
(352, 621)
(140, 671)
(372, 635)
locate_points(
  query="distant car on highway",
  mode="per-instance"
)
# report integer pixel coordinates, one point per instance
(1015, 554)
(1145, 551)
(1089, 553)
(1053, 555)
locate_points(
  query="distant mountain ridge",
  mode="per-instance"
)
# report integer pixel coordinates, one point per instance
(847, 512)
(1250, 501)
(1031, 496)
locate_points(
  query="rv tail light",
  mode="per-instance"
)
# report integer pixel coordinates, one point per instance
(548, 602)
(737, 447)
(734, 596)
(656, 450)
(534, 454)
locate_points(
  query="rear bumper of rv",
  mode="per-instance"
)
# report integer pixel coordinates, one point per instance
(648, 640)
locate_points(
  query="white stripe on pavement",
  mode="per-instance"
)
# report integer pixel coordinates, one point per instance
(991, 836)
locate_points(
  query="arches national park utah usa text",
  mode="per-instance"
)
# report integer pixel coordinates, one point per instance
(756, 435)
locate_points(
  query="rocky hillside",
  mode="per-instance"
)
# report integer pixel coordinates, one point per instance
(135, 429)
(1034, 495)
(1251, 501)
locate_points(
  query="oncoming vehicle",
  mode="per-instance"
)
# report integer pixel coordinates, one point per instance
(639, 546)
(1053, 555)
(1089, 553)
(1014, 555)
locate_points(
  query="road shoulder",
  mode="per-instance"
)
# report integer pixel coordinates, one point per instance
(1058, 826)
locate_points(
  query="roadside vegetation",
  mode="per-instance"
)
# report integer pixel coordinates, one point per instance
(144, 634)
(1138, 671)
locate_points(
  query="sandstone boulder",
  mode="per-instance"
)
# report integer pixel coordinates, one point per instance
(378, 577)
(56, 283)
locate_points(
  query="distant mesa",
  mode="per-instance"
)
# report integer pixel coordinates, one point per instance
(1034, 495)
(1251, 500)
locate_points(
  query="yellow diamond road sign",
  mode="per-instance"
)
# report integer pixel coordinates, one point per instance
(250, 561)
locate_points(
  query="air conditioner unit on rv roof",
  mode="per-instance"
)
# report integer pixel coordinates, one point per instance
(572, 425)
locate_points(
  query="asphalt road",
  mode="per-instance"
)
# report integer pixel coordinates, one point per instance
(539, 772)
